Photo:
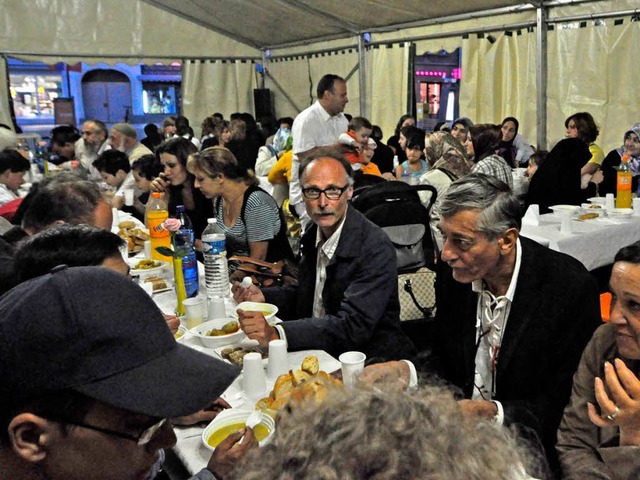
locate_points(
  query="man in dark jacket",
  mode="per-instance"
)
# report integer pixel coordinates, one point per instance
(347, 295)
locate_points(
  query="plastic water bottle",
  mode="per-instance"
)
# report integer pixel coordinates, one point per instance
(183, 242)
(216, 270)
(405, 175)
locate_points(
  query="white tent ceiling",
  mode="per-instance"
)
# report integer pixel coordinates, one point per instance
(274, 23)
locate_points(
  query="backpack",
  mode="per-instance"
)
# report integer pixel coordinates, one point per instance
(397, 209)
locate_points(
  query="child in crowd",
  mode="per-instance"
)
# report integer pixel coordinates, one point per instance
(535, 161)
(414, 167)
(368, 167)
(115, 170)
(12, 169)
(145, 169)
(356, 137)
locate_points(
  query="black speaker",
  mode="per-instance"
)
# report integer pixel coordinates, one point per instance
(263, 103)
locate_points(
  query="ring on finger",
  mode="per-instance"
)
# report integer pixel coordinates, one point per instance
(613, 415)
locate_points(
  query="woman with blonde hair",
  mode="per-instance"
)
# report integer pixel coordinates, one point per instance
(248, 215)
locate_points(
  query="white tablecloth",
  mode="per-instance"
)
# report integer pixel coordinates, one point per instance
(189, 448)
(593, 242)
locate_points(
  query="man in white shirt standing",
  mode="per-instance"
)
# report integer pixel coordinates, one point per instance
(317, 126)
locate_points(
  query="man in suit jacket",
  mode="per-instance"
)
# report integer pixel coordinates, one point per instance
(512, 316)
(347, 292)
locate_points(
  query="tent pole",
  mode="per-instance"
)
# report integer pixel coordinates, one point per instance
(283, 91)
(264, 68)
(362, 68)
(541, 77)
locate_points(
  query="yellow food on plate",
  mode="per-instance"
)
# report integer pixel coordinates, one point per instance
(588, 216)
(126, 224)
(146, 264)
(227, 329)
(260, 431)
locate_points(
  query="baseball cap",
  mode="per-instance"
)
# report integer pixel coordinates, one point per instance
(94, 331)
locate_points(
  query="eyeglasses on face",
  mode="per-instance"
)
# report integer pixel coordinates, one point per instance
(332, 193)
(142, 438)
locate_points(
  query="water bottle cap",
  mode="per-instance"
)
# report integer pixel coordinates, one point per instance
(155, 194)
(212, 220)
(180, 209)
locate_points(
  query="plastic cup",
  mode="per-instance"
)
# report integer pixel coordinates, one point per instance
(254, 382)
(636, 207)
(194, 311)
(609, 200)
(147, 249)
(278, 362)
(565, 226)
(128, 197)
(352, 365)
(216, 308)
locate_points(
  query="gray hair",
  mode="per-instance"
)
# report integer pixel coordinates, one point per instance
(357, 434)
(499, 207)
(334, 152)
(126, 129)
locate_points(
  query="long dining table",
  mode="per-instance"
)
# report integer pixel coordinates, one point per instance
(593, 242)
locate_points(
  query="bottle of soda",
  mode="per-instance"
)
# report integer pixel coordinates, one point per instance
(623, 189)
(154, 214)
(183, 244)
(216, 270)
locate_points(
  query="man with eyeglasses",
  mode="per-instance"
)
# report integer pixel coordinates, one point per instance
(92, 143)
(512, 316)
(89, 375)
(347, 292)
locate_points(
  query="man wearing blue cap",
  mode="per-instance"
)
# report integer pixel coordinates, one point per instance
(89, 375)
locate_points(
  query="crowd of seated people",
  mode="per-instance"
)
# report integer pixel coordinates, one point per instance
(346, 297)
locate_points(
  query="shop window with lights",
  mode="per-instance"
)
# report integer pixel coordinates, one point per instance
(33, 94)
(160, 97)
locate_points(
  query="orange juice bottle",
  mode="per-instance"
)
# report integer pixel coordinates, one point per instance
(155, 213)
(623, 189)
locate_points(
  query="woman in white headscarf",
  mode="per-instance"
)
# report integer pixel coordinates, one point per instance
(268, 155)
(631, 147)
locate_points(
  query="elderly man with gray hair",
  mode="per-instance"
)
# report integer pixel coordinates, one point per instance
(512, 316)
(124, 137)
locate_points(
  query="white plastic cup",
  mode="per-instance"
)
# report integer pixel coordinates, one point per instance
(565, 226)
(636, 207)
(147, 249)
(609, 200)
(254, 382)
(352, 365)
(278, 362)
(128, 197)
(216, 308)
(194, 311)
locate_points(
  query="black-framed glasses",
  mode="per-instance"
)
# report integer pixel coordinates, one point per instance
(332, 193)
(143, 438)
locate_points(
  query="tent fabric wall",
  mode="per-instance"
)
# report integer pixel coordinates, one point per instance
(209, 87)
(52, 31)
(499, 79)
(388, 69)
(298, 76)
(5, 109)
(589, 71)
